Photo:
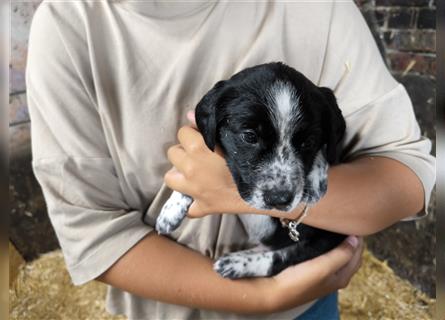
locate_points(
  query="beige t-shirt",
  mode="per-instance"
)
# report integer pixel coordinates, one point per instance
(109, 84)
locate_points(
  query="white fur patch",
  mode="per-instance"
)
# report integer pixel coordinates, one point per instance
(316, 180)
(173, 212)
(286, 103)
(257, 226)
(284, 171)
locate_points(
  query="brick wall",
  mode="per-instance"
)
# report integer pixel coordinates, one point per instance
(407, 30)
(406, 35)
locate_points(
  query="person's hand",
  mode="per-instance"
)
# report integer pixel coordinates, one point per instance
(204, 176)
(314, 278)
(201, 174)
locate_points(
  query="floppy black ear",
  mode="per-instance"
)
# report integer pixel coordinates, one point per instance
(335, 126)
(205, 114)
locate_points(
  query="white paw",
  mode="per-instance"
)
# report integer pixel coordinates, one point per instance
(172, 213)
(242, 265)
(166, 226)
(230, 266)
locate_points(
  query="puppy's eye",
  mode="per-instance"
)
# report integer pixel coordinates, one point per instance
(249, 136)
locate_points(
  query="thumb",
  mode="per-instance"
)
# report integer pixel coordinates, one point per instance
(339, 256)
(195, 211)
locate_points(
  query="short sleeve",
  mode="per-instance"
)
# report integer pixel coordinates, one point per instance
(86, 205)
(379, 115)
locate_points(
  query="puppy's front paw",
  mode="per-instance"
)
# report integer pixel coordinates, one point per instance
(230, 266)
(244, 264)
(172, 213)
(164, 225)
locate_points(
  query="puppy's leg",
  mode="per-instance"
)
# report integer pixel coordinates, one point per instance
(242, 264)
(253, 263)
(173, 212)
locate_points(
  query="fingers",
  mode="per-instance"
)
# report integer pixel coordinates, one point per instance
(344, 275)
(195, 211)
(357, 258)
(191, 118)
(338, 257)
(191, 139)
(319, 276)
(356, 261)
(177, 157)
(175, 180)
(324, 266)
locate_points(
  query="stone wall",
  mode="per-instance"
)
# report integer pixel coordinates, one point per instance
(404, 31)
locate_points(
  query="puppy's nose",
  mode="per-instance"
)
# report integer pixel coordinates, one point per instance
(279, 198)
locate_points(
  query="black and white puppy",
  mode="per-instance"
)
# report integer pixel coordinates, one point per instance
(278, 132)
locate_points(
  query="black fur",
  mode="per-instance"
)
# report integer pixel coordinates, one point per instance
(237, 112)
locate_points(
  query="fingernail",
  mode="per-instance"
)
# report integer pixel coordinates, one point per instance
(353, 241)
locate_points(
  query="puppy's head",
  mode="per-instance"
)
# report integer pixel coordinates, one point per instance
(278, 132)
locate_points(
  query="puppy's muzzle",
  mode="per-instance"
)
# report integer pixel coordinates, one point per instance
(278, 198)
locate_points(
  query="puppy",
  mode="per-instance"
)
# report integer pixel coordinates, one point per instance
(278, 132)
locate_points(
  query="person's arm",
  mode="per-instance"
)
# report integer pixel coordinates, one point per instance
(387, 172)
(367, 195)
(364, 195)
(161, 269)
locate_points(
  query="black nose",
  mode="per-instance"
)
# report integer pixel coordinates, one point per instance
(278, 199)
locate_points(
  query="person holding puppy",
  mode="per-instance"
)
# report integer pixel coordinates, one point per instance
(108, 94)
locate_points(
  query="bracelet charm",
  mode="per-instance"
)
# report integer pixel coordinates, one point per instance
(293, 224)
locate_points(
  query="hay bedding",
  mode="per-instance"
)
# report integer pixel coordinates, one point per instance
(376, 292)
(43, 290)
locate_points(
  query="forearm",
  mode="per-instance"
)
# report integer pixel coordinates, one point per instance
(160, 269)
(367, 195)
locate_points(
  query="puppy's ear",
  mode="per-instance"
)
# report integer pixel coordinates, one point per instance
(205, 114)
(334, 126)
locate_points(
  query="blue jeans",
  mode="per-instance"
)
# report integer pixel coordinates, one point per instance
(325, 308)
